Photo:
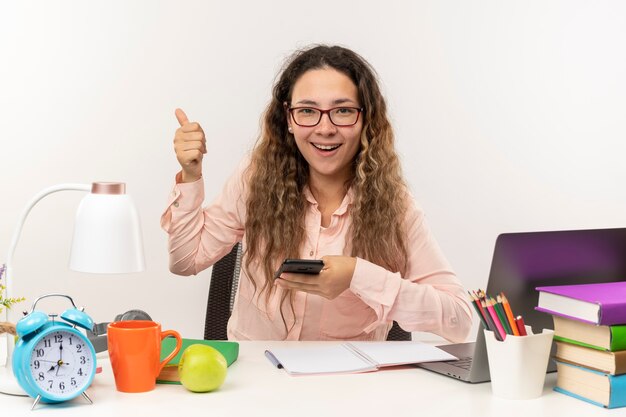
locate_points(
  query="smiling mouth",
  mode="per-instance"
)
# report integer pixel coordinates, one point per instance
(326, 148)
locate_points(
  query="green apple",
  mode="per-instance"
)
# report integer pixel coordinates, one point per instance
(202, 368)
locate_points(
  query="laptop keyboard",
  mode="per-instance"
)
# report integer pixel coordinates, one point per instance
(464, 363)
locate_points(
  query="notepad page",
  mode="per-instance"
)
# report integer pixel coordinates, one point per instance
(320, 360)
(401, 353)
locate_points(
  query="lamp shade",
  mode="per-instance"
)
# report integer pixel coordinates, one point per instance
(107, 233)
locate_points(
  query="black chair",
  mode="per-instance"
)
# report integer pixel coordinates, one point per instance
(222, 290)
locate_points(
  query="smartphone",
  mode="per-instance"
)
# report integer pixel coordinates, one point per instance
(300, 266)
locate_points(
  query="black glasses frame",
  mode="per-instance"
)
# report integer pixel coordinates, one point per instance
(322, 112)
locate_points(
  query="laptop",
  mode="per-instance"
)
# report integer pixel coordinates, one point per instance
(523, 261)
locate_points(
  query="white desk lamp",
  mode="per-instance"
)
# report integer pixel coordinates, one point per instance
(107, 239)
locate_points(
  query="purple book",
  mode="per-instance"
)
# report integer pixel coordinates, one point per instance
(599, 303)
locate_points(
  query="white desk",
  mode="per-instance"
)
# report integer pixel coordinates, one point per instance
(254, 387)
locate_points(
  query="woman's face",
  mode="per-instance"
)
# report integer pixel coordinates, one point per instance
(329, 149)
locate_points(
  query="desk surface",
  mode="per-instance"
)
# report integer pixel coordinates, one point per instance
(254, 387)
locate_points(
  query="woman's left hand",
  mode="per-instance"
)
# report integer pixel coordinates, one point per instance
(334, 278)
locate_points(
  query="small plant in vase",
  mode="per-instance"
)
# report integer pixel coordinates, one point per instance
(6, 303)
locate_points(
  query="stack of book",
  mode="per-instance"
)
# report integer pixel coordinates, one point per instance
(590, 335)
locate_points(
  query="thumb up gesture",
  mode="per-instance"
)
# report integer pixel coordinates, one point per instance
(190, 146)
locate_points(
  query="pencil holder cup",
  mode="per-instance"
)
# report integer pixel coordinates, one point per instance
(518, 364)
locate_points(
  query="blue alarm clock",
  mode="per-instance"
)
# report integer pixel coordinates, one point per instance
(53, 361)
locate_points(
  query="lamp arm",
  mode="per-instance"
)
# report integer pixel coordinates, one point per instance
(16, 236)
(18, 230)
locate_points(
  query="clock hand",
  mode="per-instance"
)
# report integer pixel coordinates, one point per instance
(60, 362)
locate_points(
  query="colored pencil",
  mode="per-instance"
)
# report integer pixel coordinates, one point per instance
(502, 315)
(495, 318)
(479, 310)
(480, 294)
(492, 326)
(520, 326)
(509, 314)
(500, 312)
(473, 302)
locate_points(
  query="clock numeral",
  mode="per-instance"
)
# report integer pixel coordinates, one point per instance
(50, 374)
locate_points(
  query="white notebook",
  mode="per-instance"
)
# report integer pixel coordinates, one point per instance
(353, 357)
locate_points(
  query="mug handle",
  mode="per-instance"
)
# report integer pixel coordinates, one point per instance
(179, 344)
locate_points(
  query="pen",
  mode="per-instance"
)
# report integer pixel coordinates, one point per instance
(509, 314)
(269, 355)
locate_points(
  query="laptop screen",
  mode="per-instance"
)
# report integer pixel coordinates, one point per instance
(524, 261)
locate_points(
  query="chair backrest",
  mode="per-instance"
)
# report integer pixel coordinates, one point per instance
(222, 290)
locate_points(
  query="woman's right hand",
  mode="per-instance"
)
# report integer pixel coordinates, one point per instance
(189, 145)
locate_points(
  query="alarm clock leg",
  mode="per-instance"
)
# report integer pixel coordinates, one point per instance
(36, 402)
(87, 397)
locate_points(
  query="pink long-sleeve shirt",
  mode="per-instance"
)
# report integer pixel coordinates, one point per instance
(428, 298)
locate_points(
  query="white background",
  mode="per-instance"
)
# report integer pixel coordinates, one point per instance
(509, 116)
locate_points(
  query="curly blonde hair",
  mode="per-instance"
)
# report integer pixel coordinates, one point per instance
(276, 206)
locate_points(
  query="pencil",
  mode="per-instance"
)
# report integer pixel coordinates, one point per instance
(483, 303)
(500, 312)
(482, 297)
(479, 310)
(520, 326)
(492, 326)
(495, 318)
(509, 314)
(502, 315)
(473, 302)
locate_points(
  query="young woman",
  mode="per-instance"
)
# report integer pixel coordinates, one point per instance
(323, 182)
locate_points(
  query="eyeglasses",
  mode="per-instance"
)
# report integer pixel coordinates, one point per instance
(311, 116)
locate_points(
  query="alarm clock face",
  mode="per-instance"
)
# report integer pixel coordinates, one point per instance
(61, 364)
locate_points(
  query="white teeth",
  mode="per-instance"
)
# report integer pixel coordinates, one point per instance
(326, 147)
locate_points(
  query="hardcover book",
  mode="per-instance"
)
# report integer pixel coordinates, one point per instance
(595, 387)
(613, 363)
(599, 303)
(611, 338)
